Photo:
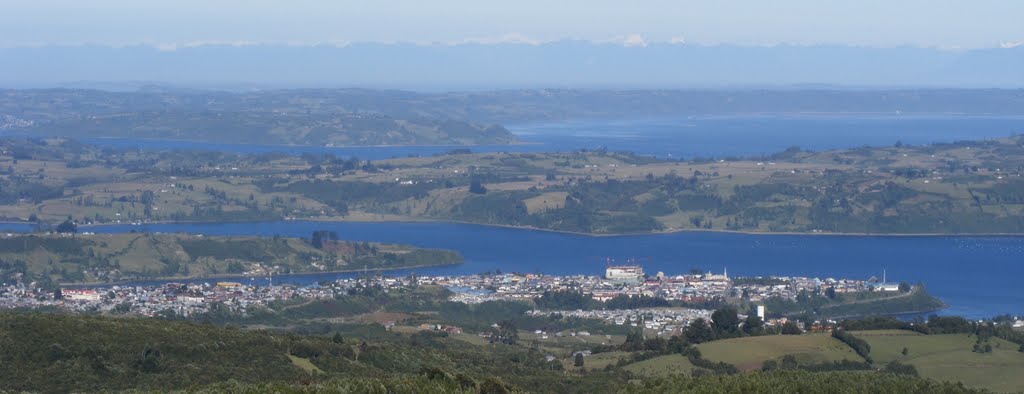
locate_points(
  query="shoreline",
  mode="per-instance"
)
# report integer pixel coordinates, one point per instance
(230, 276)
(403, 219)
(915, 290)
(455, 146)
(894, 314)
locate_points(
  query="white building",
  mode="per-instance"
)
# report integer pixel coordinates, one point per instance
(624, 273)
(80, 295)
(724, 277)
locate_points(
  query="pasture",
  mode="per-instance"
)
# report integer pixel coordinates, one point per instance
(751, 352)
(949, 357)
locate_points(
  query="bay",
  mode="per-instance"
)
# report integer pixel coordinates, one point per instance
(977, 276)
(756, 135)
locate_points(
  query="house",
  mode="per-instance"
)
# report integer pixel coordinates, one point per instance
(452, 330)
(603, 295)
(80, 295)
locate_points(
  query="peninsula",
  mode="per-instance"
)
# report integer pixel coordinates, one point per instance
(950, 188)
(67, 258)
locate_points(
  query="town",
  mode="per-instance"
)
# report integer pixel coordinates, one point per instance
(185, 300)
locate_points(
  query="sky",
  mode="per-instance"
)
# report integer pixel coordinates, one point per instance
(169, 24)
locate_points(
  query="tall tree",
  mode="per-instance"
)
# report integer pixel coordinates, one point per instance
(790, 328)
(506, 333)
(322, 237)
(67, 227)
(698, 331)
(476, 187)
(753, 325)
(725, 321)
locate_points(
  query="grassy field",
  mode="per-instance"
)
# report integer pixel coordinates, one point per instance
(949, 358)
(472, 338)
(671, 364)
(567, 340)
(751, 352)
(305, 364)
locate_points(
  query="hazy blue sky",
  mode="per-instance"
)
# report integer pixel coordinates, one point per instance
(931, 23)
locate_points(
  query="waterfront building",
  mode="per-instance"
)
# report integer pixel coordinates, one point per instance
(624, 273)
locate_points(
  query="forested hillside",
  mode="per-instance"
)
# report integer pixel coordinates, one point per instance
(52, 352)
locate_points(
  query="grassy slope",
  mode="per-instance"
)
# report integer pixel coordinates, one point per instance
(151, 254)
(751, 352)
(949, 357)
(796, 382)
(667, 365)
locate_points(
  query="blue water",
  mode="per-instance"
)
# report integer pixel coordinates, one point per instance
(671, 137)
(760, 135)
(977, 276)
(12, 227)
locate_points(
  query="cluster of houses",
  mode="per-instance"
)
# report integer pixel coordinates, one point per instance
(191, 299)
(181, 299)
(629, 281)
(663, 321)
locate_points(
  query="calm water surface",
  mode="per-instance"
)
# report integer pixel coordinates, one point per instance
(685, 137)
(976, 276)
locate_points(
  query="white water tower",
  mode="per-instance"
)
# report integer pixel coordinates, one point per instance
(761, 312)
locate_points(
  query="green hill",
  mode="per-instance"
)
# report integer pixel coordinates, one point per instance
(950, 357)
(113, 257)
